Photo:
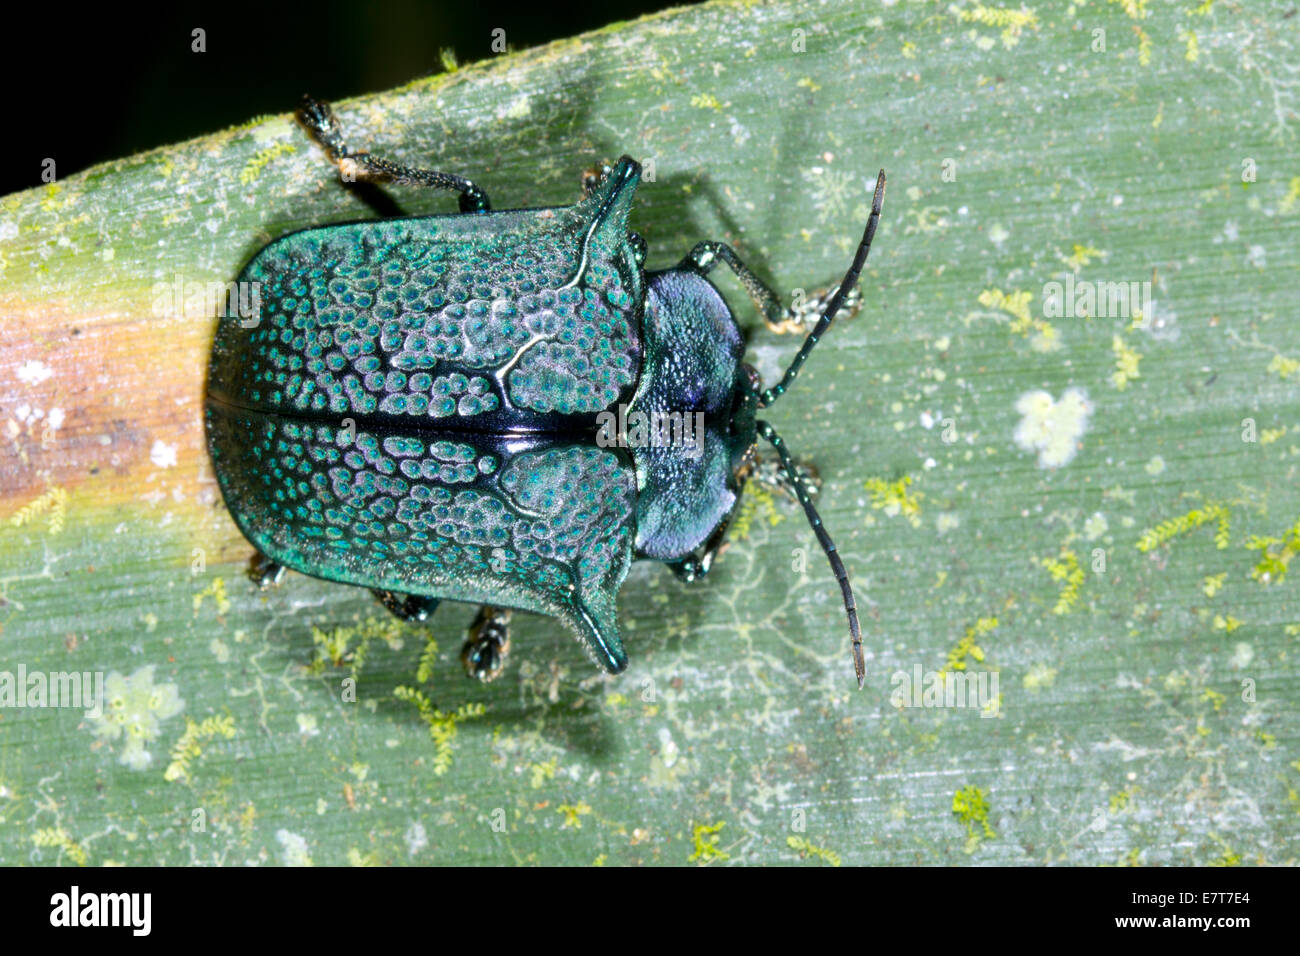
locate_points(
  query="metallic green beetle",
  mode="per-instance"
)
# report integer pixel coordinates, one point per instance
(437, 407)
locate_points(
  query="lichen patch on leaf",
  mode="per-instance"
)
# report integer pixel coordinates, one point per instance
(135, 708)
(1050, 428)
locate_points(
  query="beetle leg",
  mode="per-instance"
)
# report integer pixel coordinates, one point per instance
(406, 607)
(319, 119)
(264, 572)
(484, 653)
(697, 565)
(592, 177)
(771, 474)
(808, 309)
(708, 254)
(639, 248)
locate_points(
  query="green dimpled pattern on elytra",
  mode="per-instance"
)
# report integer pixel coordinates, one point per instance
(395, 319)
(326, 502)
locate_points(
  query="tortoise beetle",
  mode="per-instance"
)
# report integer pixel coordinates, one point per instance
(421, 406)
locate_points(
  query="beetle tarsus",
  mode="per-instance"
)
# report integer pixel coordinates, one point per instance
(484, 653)
(771, 475)
(264, 572)
(593, 176)
(318, 118)
(406, 607)
(804, 314)
(694, 567)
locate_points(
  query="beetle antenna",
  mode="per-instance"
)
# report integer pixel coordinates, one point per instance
(832, 555)
(768, 396)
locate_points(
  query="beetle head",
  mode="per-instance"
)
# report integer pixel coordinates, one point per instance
(693, 360)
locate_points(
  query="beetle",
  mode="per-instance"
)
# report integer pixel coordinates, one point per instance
(421, 405)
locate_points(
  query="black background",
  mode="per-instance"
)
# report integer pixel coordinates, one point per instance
(99, 82)
(336, 911)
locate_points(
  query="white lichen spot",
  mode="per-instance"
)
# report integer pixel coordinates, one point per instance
(667, 747)
(1242, 655)
(1039, 676)
(519, 107)
(998, 234)
(134, 708)
(33, 372)
(220, 650)
(417, 838)
(946, 521)
(1096, 526)
(8, 230)
(1155, 466)
(295, 848)
(162, 454)
(831, 191)
(307, 725)
(1052, 428)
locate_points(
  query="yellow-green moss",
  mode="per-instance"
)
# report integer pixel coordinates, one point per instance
(428, 658)
(1011, 22)
(57, 837)
(54, 501)
(217, 591)
(1126, 363)
(253, 168)
(573, 814)
(893, 498)
(756, 499)
(442, 725)
(967, 646)
(188, 748)
(1066, 570)
(1275, 555)
(1166, 531)
(806, 849)
(335, 647)
(705, 837)
(1016, 305)
(971, 806)
(1081, 256)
